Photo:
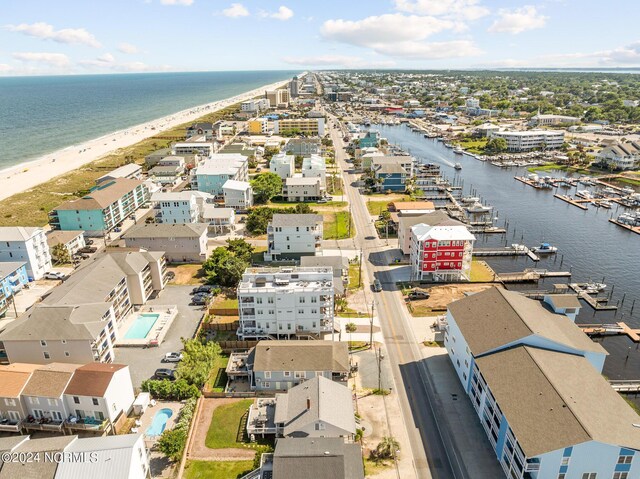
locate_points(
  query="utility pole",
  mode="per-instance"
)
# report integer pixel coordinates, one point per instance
(360, 269)
(379, 357)
(349, 235)
(373, 304)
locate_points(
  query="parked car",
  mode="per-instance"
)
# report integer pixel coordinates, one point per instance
(199, 299)
(54, 275)
(205, 288)
(88, 242)
(170, 275)
(81, 255)
(418, 294)
(165, 373)
(377, 285)
(323, 200)
(88, 249)
(172, 358)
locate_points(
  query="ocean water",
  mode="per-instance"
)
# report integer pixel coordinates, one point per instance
(39, 115)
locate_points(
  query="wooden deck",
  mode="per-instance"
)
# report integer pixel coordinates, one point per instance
(614, 329)
(635, 229)
(571, 201)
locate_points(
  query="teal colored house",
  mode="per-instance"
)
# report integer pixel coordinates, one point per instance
(370, 139)
(13, 277)
(103, 209)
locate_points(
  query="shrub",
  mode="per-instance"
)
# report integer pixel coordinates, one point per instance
(172, 441)
(170, 390)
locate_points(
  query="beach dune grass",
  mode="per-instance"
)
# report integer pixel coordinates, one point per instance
(217, 469)
(32, 207)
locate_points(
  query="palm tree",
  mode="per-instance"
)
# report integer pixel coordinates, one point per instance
(387, 448)
(350, 328)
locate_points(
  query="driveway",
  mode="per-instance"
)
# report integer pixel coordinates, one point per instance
(143, 362)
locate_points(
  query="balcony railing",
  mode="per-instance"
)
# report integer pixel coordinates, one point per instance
(8, 425)
(86, 424)
(43, 424)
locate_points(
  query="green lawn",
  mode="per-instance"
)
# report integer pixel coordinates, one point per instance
(218, 376)
(354, 276)
(474, 146)
(551, 167)
(480, 272)
(377, 207)
(226, 428)
(337, 226)
(629, 181)
(225, 303)
(217, 469)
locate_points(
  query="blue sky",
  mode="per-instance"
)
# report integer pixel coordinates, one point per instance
(100, 36)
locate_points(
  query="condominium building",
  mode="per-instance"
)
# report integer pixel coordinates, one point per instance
(292, 234)
(258, 126)
(203, 148)
(549, 120)
(283, 165)
(216, 170)
(303, 189)
(621, 156)
(180, 207)
(28, 245)
(13, 277)
(534, 379)
(303, 146)
(181, 243)
(308, 126)
(441, 252)
(72, 240)
(277, 98)
(238, 195)
(315, 166)
(255, 105)
(98, 212)
(531, 139)
(285, 303)
(130, 171)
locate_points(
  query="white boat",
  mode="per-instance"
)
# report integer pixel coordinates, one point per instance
(605, 204)
(469, 199)
(628, 190)
(586, 194)
(458, 150)
(477, 208)
(545, 248)
(457, 166)
(593, 287)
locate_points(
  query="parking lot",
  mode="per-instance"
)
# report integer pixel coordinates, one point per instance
(144, 361)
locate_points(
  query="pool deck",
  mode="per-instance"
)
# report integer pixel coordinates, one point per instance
(147, 418)
(157, 332)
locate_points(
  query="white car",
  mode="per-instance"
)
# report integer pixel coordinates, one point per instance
(172, 358)
(54, 275)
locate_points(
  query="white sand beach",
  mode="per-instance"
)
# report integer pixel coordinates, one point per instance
(24, 176)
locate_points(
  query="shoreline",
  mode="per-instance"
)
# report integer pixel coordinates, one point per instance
(28, 174)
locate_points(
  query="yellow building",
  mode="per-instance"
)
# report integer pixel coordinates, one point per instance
(257, 126)
(308, 126)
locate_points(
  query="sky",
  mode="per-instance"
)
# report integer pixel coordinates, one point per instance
(41, 37)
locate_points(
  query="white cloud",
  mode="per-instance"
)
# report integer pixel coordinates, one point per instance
(456, 9)
(283, 13)
(184, 3)
(236, 10)
(627, 55)
(4, 68)
(336, 61)
(47, 32)
(53, 59)
(127, 48)
(399, 35)
(518, 20)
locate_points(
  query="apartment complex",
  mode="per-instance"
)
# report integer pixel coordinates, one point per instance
(258, 126)
(531, 139)
(392, 172)
(551, 120)
(107, 205)
(621, 156)
(285, 303)
(292, 234)
(72, 240)
(216, 170)
(13, 277)
(181, 243)
(83, 314)
(180, 207)
(130, 171)
(535, 382)
(303, 146)
(442, 252)
(277, 98)
(28, 245)
(307, 126)
(255, 105)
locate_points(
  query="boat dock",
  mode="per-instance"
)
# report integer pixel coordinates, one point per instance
(614, 329)
(626, 385)
(521, 250)
(531, 276)
(595, 302)
(571, 201)
(635, 229)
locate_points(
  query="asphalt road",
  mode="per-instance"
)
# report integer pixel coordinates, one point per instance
(433, 451)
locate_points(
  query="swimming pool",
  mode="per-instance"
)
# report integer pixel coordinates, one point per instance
(142, 325)
(159, 422)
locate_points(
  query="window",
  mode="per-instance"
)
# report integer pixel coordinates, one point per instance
(67, 354)
(562, 475)
(287, 374)
(625, 459)
(620, 475)
(95, 401)
(565, 461)
(314, 299)
(76, 399)
(270, 300)
(300, 374)
(46, 355)
(43, 343)
(319, 426)
(267, 374)
(10, 402)
(302, 299)
(259, 300)
(590, 475)
(266, 385)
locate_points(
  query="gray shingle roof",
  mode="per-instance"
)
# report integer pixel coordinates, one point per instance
(298, 355)
(320, 457)
(17, 233)
(104, 195)
(7, 268)
(328, 401)
(280, 219)
(49, 381)
(555, 400)
(496, 317)
(167, 230)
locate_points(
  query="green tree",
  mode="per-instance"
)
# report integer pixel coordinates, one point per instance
(172, 443)
(240, 249)
(198, 359)
(266, 186)
(258, 220)
(223, 267)
(61, 254)
(387, 448)
(350, 328)
(496, 145)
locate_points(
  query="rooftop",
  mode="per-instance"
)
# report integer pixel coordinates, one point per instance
(447, 230)
(496, 317)
(302, 458)
(103, 195)
(286, 220)
(299, 355)
(122, 172)
(435, 218)
(9, 267)
(236, 185)
(13, 378)
(555, 400)
(185, 195)
(301, 181)
(167, 230)
(55, 237)
(18, 233)
(92, 379)
(49, 381)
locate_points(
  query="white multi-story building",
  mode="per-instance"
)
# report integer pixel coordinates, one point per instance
(531, 139)
(255, 105)
(303, 189)
(18, 243)
(238, 195)
(285, 303)
(291, 234)
(283, 165)
(473, 103)
(622, 156)
(216, 170)
(315, 167)
(205, 148)
(179, 207)
(548, 120)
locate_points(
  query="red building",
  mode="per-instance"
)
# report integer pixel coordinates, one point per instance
(442, 252)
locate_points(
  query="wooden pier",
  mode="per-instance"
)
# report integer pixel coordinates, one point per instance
(628, 386)
(615, 329)
(507, 251)
(635, 229)
(594, 302)
(531, 276)
(571, 201)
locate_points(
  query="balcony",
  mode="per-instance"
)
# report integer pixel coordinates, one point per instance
(42, 424)
(8, 425)
(86, 424)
